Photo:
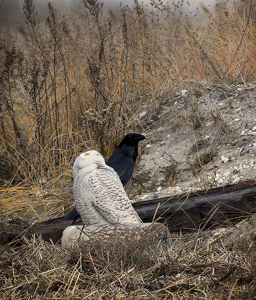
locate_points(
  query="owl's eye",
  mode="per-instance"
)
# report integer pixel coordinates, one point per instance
(86, 154)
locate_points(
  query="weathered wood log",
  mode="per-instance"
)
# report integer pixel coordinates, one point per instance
(201, 209)
(189, 211)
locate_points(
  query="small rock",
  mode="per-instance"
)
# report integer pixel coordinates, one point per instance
(245, 132)
(184, 93)
(243, 151)
(236, 180)
(224, 159)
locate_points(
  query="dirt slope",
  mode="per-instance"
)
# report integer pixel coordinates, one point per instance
(196, 139)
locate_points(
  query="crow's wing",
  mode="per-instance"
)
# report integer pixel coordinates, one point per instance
(122, 164)
(73, 215)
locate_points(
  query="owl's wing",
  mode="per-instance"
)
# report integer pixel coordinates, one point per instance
(83, 200)
(109, 197)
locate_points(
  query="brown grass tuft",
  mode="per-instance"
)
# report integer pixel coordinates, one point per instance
(197, 265)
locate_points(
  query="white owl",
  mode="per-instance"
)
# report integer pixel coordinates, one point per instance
(98, 192)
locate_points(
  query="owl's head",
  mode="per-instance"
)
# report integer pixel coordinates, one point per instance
(87, 161)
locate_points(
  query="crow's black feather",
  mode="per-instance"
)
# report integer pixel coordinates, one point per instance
(122, 161)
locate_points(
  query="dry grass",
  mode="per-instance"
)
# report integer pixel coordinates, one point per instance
(35, 201)
(192, 268)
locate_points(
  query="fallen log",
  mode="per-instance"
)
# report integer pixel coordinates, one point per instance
(201, 209)
(189, 211)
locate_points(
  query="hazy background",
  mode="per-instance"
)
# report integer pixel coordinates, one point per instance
(12, 18)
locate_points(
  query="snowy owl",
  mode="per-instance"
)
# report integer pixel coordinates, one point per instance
(99, 195)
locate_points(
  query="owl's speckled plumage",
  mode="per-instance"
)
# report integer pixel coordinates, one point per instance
(98, 192)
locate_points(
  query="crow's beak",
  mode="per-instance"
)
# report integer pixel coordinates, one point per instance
(140, 137)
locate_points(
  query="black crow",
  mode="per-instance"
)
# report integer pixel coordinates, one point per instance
(122, 161)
